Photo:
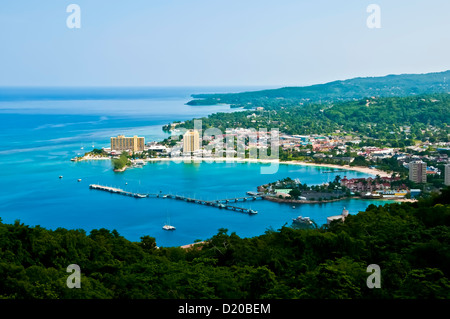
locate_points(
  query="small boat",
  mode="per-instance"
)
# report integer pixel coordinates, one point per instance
(60, 176)
(253, 193)
(79, 179)
(167, 226)
(293, 206)
(302, 220)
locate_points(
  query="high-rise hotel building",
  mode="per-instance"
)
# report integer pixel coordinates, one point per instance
(418, 172)
(122, 143)
(447, 175)
(191, 141)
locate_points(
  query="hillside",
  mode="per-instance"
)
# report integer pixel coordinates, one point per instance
(357, 88)
(397, 119)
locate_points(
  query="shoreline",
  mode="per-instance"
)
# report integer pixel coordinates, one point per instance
(361, 169)
(300, 201)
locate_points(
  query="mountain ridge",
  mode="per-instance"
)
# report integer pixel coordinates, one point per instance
(335, 91)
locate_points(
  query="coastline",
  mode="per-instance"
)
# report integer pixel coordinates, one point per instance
(302, 201)
(299, 201)
(361, 169)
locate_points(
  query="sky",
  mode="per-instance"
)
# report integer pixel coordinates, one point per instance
(218, 42)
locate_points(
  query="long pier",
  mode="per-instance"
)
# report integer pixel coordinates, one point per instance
(117, 191)
(220, 203)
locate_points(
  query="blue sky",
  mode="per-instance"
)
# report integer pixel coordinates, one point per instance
(217, 42)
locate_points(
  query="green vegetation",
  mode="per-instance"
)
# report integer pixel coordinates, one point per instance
(333, 190)
(121, 162)
(357, 88)
(396, 121)
(97, 152)
(409, 241)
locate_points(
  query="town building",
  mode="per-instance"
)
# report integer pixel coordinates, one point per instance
(418, 172)
(122, 143)
(191, 141)
(340, 217)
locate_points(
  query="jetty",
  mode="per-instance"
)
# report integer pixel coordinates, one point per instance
(117, 191)
(220, 203)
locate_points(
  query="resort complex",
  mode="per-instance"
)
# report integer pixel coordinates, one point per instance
(122, 143)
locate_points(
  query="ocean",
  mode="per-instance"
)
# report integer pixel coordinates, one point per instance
(43, 128)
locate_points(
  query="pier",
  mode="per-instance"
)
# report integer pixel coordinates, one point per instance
(220, 203)
(117, 191)
(239, 199)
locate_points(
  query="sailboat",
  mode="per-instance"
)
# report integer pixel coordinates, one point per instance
(167, 226)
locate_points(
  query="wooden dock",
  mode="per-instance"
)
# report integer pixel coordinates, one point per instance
(221, 203)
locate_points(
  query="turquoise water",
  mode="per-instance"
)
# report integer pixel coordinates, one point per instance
(41, 135)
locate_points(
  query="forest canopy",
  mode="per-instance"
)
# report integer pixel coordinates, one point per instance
(409, 241)
(337, 91)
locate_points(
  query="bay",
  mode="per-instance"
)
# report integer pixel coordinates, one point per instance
(41, 134)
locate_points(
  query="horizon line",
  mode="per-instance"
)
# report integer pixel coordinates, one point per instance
(205, 85)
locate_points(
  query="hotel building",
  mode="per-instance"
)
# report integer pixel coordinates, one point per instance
(418, 172)
(191, 141)
(122, 143)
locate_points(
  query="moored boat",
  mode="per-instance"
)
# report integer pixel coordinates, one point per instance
(302, 220)
(169, 227)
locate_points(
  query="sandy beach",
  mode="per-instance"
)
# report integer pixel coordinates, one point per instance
(366, 170)
(362, 169)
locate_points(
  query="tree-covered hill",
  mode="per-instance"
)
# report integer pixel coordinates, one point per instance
(357, 88)
(389, 118)
(410, 242)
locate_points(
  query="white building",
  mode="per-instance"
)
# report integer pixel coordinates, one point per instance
(341, 217)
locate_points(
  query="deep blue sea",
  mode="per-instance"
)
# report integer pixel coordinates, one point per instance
(43, 128)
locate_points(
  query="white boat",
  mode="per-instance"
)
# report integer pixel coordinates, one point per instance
(167, 226)
(302, 220)
(79, 179)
